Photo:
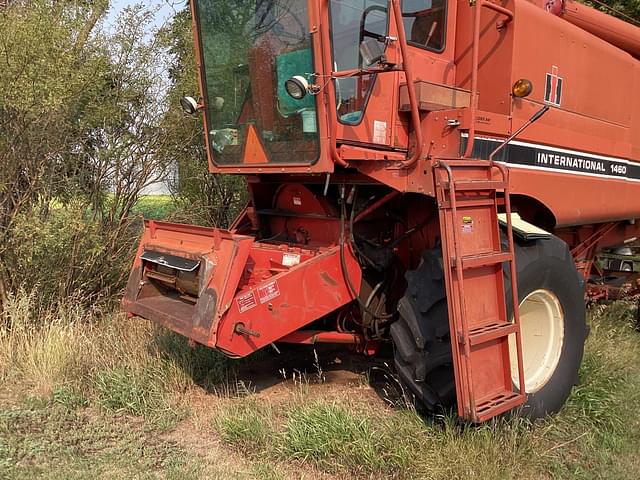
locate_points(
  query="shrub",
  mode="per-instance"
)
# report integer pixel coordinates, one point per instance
(66, 252)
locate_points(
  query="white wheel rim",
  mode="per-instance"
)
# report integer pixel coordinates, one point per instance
(542, 328)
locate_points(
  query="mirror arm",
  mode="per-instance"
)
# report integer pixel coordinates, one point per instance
(536, 116)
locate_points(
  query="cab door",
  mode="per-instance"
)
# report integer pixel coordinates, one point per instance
(362, 101)
(367, 105)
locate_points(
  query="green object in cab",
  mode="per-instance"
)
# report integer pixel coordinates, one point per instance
(298, 62)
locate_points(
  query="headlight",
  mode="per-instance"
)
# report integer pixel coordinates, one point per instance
(297, 87)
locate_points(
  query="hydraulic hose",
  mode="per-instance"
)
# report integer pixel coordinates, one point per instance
(343, 264)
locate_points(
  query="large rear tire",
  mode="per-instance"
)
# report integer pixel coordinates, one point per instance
(551, 298)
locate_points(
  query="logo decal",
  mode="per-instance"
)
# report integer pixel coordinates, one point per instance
(553, 89)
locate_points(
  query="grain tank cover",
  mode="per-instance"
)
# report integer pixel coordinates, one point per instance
(617, 32)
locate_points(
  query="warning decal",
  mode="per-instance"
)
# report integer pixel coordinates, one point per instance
(246, 302)
(379, 132)
(467, 225)
(268, 292)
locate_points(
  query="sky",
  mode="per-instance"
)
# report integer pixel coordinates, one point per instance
(166, 8)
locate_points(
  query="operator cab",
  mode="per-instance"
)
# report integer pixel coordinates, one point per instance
(250, 54)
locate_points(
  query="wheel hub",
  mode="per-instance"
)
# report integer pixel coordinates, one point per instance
(542, 327)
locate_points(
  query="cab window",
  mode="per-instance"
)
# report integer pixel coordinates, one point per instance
(351, 23)
(425, 22)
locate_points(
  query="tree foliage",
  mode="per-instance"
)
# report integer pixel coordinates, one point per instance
(618, 8)
(205, 198)
(81, 111)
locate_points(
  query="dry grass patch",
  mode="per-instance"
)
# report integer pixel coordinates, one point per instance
(81, 361)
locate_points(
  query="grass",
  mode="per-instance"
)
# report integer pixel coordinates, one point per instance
(596, 435)
(85, 395)
(155, 207)
(45, 441)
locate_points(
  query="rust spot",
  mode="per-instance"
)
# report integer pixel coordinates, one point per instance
(328, 279)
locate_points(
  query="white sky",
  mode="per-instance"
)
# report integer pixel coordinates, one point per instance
(166, 8)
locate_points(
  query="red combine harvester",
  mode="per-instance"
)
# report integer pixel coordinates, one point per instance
(435, 175)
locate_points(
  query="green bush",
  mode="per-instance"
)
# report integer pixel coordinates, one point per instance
(64, 252)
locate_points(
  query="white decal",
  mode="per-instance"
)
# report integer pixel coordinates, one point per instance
(268, 292)
(246, 302)
(290, 259)
(379, 132)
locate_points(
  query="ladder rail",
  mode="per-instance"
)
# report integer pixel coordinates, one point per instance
(464, 342)
(512, 266)
(460, 286)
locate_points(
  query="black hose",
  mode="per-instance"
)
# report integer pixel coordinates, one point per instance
(345, 273)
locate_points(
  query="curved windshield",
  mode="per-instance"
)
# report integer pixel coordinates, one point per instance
(249, 48)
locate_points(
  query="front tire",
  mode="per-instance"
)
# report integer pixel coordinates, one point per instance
(552, 321)
(551, 296)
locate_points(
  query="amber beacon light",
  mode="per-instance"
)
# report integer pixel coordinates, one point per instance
(522, 88)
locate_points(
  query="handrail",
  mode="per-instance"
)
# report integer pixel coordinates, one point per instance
(326, 51)
(475, 61)
(462, 307)
(413, 102)
(499, 9)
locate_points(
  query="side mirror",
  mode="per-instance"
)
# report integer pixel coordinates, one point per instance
(372, 52)
(373, 35)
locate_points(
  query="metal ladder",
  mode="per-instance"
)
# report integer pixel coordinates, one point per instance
(467, 194)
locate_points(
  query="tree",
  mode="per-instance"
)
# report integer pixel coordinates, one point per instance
(46, 73)
(206, 199)
(618, 8)
(81, 111)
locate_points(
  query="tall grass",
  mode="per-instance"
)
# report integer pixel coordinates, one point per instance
(116, 363)
(40, 348)
(78, 357)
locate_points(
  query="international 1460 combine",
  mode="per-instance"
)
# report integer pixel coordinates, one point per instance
(435, 175)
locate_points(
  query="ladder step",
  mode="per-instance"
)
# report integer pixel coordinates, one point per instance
(498, 404)
(462, 185)
(486, 333)
(482, 260)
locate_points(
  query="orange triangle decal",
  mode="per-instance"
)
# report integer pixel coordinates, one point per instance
(253, 151)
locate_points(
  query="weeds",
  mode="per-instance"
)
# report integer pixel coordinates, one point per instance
(245, 425)
(69, 398)
(335, 438)
(80, 357)
(73, 360)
